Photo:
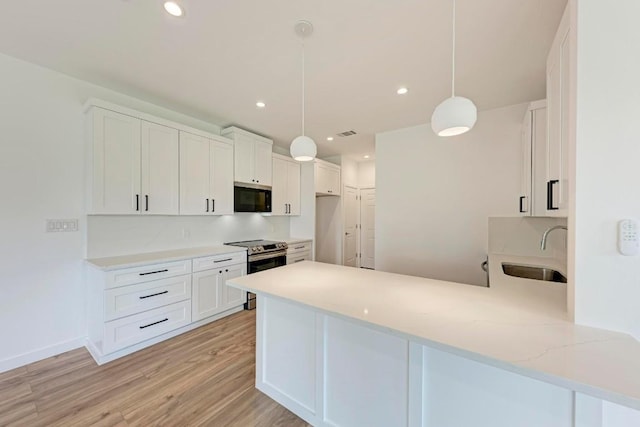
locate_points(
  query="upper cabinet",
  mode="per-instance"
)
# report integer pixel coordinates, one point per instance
(252, 157)
(327, 178)
(532, 200)
(285, 198)
(132, 165)
(561, 72)
(206, 175)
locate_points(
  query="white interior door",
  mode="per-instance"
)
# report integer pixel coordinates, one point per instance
(350, 200)
(367, 227)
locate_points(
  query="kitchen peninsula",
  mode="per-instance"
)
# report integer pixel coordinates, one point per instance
(345, 346)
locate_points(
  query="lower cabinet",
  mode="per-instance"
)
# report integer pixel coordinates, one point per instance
(300, 251)
(211, 295)
(133, 308)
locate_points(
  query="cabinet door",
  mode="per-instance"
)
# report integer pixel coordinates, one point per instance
(206, 296)
(233, 297)
(262, 165)
(322, 179)
(116, 163)
(524, 200)
(293, 187)
(279, 190)
(558, 108)
(244, 160)
(160, 177)
(221, 177)
(334, 181)
(194, 175)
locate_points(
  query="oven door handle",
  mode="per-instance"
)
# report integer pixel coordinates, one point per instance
(260, 257)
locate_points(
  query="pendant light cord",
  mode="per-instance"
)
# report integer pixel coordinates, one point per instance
(303, 88)
(453, 54)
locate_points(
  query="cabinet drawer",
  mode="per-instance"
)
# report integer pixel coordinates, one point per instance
(299, 247)
(216, 261)
(132, 299)
(131, 330)
(130, 276)
(298, 257)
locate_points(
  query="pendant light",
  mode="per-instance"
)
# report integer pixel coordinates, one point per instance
(455, 115)
(303, 148)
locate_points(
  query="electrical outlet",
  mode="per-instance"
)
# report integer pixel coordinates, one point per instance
(56, 225)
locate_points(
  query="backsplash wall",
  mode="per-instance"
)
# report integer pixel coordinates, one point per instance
(522, 235)
(121, 235)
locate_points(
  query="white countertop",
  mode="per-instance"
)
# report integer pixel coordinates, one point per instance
(294, 240)
(136, 260)
(520, 326)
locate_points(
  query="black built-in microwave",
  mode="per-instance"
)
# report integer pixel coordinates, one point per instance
(249, 199)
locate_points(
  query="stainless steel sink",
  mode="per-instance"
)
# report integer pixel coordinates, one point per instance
(532, 272)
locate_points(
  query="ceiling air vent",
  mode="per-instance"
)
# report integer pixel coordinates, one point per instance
(347, 133)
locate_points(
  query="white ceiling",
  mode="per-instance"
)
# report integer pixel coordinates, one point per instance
(224, 55)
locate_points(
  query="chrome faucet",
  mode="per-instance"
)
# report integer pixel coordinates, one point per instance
(543, 243)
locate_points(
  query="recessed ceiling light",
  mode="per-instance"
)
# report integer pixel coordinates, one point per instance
(329, 138)
(173, 8)
(402, 91)
(366, 157)
(260, 104)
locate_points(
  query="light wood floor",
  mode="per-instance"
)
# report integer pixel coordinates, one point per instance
(202, 378)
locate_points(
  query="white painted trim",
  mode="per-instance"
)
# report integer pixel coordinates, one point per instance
(285, 158)
(233, 129)
(95, 102)
(42, 353)
(102, 359)
(537, 105)
(328, 164)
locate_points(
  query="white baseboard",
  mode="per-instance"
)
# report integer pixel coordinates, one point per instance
(42, 353)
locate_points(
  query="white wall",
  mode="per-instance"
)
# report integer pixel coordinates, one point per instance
(434, 195)
(522, 236)
(367, 174)
(607, 284)
(42, 176)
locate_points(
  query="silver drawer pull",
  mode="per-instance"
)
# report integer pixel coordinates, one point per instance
(299, 247)
(155, 272)
(154, 295)
(154, 323)
(223, 260)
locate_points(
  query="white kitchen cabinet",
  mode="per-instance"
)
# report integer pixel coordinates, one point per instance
(130, 308)
(252, 157)
(327, 178)
(206, 176)
(299, 251)
(133, 165)
(285, 197)
(207, 289)
(211, 295)
(159, 170)
(561, 106)
(532, 200)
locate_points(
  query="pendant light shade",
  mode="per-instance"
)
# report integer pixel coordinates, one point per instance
(455, 115)
(303, 148)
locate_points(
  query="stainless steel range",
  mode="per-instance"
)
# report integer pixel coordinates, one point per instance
(261, 255)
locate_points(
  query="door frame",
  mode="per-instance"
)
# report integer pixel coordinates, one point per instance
(359, 245)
